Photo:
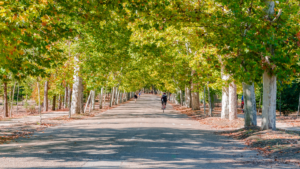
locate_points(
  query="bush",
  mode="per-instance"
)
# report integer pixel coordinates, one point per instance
(289, 98)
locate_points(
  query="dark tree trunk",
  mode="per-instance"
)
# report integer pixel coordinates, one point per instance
(66, 97)
(5, 100)
(46, 96)
(59, 103)
(53, 102)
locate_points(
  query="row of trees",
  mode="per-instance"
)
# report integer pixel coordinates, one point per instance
(177, 45)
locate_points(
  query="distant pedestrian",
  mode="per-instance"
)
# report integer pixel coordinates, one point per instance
(135, 97)
(242, 103)
(140, 95)
(164, 99)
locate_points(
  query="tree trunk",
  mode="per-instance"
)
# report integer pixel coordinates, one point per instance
(225, 96)
(175, 98)
(104, 99)
(59, 101)
(81, 96)
(209, 103)
(269, 102)
(204, 101)
(66, 97)
(121, 97)
(12, 100)
(69, 97)
(187, 97)
(111, 97)
(232, 101)
(269, 81)
(39, 97)
(101, 98)
(195, 101)
(75, 106)
(125, 96)
(46, 96)
(298, 106)
(18, 97)
(88, 102)
(5, 100)
(181, 99)
(195, 95)
(9, 101)
(249, 105)
(93, 96)
(70, 101)
(116, 96)
(225, 102)
(53, 103)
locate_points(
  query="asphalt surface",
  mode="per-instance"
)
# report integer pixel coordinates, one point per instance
(133, 135)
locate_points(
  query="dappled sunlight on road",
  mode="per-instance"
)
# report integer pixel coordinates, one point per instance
(129, 136)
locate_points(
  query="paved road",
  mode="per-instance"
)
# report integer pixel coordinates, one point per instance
(133, 135)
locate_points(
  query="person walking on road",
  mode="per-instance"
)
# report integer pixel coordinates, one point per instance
(135, 97)
(139, 94)
(164, 99)
(242, 103)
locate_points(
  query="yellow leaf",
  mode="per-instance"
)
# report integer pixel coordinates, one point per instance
(1, 2)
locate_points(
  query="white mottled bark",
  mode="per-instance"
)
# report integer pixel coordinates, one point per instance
(225, 102)
(269, 102)
(175, 98)
(112, 96)
(104, 98)
(269, 81)
(81, 103)
(187, 97)
(93, 96)
(69, 97)
(75, 105)
(66, 97)
(70, 101)
(232, 101)
(249, 105)
(88, 102)
(117, 96)
(39, 97)
(225, 99)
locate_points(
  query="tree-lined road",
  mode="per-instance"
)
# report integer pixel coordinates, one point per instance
(133, 135)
